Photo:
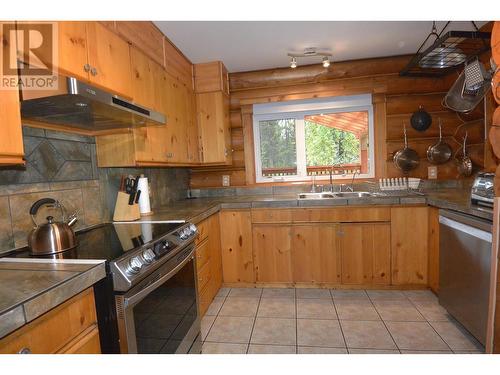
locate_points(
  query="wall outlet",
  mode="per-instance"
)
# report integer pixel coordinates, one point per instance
(226, 180)
(432, 172)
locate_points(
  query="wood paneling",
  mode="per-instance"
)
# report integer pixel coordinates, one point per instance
(366, 253)
(145, 36)
(434, 249)
(409, 244)
(315, 254)
(316, 73)
(272, 246)
(236, 247)
(52, 331)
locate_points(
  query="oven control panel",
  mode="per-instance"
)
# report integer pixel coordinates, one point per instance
(136, 264)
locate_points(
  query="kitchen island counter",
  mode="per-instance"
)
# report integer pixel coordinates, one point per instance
(31, 287)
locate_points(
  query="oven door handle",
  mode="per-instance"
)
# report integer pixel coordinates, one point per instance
(133, 299)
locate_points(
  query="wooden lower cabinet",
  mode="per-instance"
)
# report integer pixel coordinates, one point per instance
(434, 249)
(236, 247)
(374, 246)
(69, 328)
(272, 245)
(208, 261)
(366, 253)
(409, 245)
(316, 254)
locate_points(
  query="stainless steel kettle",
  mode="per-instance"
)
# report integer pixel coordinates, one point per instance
(53, 236)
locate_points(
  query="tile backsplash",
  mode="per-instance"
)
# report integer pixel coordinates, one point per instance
(63, 166)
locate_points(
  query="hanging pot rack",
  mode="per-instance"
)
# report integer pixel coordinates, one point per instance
(449, 51)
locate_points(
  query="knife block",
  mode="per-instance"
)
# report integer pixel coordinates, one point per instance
(124, 211)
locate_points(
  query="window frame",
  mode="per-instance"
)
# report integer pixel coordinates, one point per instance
(298, 110)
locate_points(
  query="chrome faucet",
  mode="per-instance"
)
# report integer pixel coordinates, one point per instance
(351, 187)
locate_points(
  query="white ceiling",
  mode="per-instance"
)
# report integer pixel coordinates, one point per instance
(254, 45)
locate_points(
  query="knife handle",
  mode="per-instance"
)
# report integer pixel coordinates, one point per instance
(131, 198)
(137, 196)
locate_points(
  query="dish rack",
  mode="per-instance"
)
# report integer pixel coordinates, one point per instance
(401, 183)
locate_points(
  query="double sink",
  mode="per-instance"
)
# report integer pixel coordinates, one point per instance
(345, 195)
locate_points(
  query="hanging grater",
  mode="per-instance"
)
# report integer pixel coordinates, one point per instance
(474, 77)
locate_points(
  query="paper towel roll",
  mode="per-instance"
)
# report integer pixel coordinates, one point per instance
(144, 204)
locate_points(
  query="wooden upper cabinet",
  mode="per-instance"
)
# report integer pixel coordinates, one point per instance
(409, 239)
(214, 126)
(108, 56)
(92, 53)
(315, 254)
(143, 79)
(177, 65)
(145, 36)
(73, 49)
(11, 141)
(211, 77)
(366, 253)
(272, 248)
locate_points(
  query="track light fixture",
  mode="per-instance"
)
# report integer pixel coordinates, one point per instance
(308, 52)
(326, 62)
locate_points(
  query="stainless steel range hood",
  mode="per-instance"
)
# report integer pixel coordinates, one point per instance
(77, 104)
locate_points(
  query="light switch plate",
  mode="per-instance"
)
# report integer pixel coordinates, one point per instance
(226, 181)
(432, 172)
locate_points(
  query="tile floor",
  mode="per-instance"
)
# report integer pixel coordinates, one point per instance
(308, 321)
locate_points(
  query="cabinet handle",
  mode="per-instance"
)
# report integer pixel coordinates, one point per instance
(93, 71)
(86, 67)
(24, 351)
(170, 155)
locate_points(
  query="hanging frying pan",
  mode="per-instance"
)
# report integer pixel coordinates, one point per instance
(421, 120)
(406, 159)
(440, 152)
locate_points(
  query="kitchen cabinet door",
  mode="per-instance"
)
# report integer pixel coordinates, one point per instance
(72, 59)
(215, 252)
(272, 245)
(11, 141)
(193, 144)
(366, 253)
(109, 55)
(214, 126)
(236, 247)
(409, 245)
(315, 253)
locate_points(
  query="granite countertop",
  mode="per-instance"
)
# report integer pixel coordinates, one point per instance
(31, 287)
(195, 210)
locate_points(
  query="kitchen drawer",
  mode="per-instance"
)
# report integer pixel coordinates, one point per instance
(202, 231)
(342, 214)
(86, 343)
(271, 216)
(202, 254)
(203, 275)
(55, 329)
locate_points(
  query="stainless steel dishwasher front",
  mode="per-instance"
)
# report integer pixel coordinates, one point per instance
(464, 269)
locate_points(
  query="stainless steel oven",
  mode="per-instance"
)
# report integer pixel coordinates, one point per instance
(160, 314)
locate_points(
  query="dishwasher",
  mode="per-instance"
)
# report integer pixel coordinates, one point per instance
(464, 269)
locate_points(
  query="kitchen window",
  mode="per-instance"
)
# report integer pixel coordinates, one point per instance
(302, 140)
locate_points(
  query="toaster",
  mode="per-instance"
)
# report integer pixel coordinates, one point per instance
(482, 192)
